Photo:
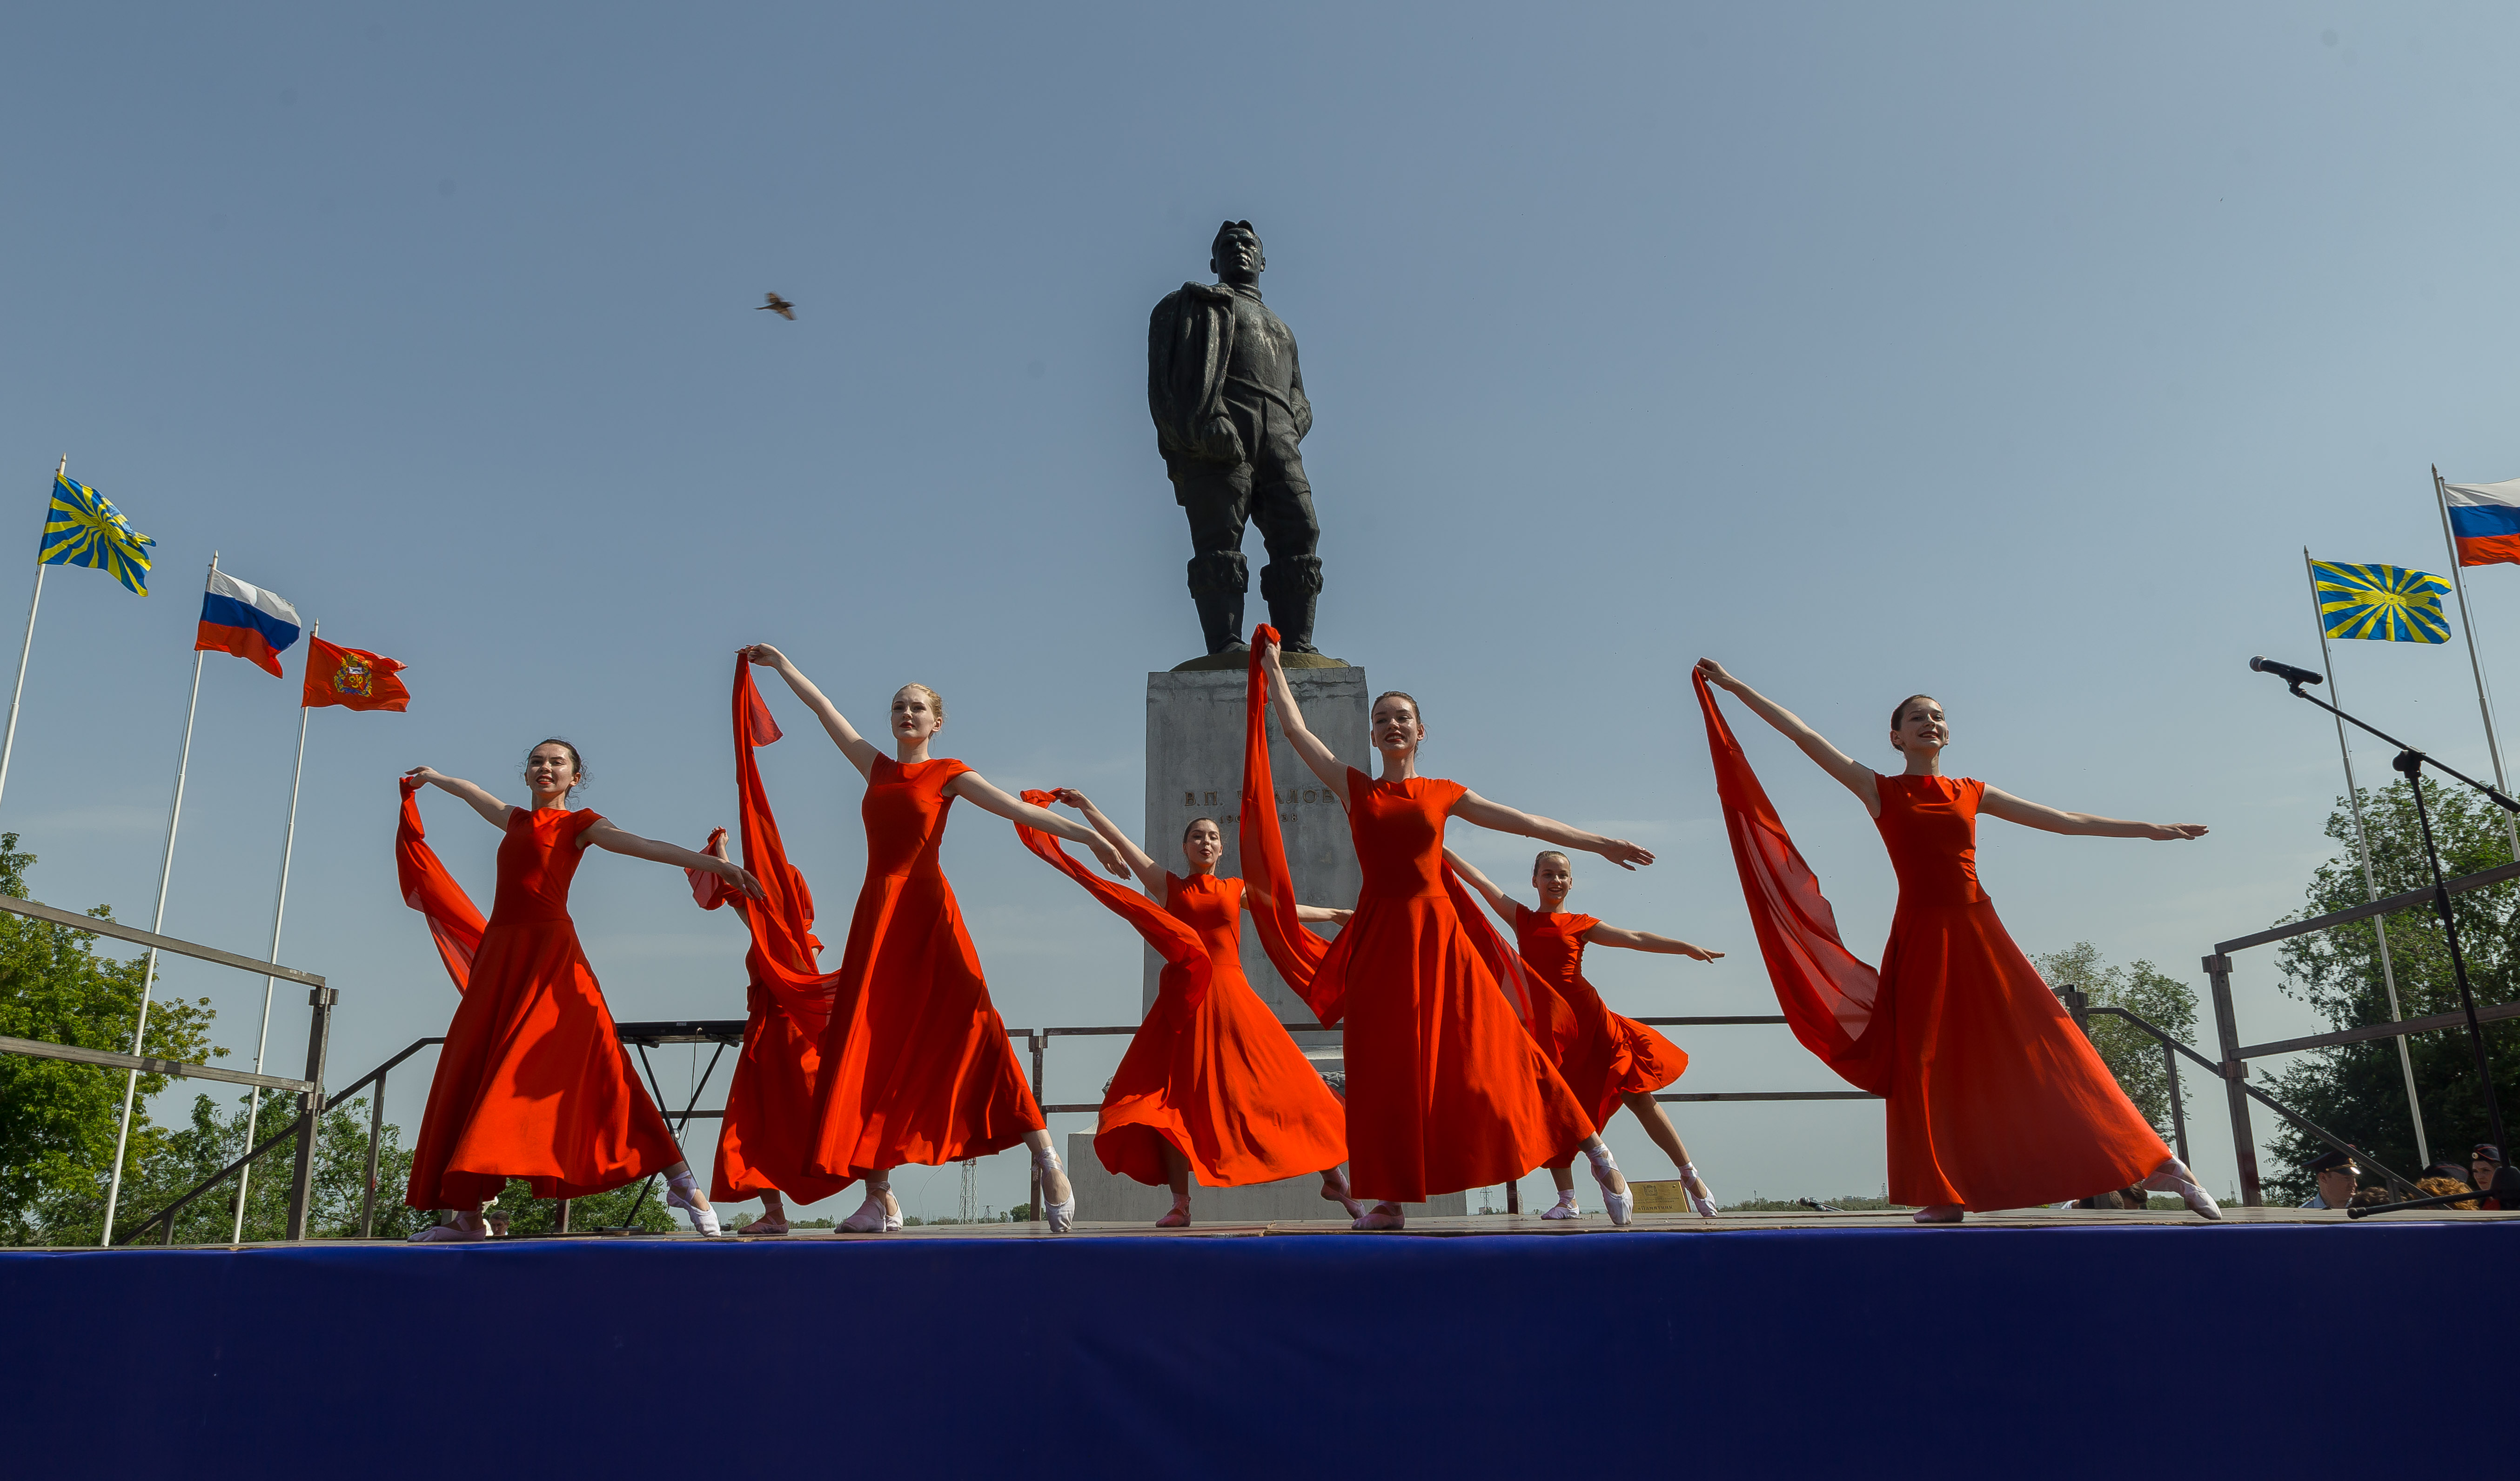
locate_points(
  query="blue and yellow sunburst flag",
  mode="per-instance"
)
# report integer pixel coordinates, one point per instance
(86, 529)
(2387, 604)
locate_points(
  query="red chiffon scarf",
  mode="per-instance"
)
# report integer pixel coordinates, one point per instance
(1827, 992)
(426, 887)
(783, 957)
(1170, 936)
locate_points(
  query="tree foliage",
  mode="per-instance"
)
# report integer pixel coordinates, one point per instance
(2143, 990)
(2359, 1090)
(58, 1119)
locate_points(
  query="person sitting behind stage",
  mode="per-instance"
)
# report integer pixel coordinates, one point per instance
(2132, 1196)
(2338, 1174)
(2374, 1196)
(2483, 1160)
(2440, 1183)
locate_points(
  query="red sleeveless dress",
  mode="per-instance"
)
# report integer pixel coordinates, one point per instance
(1605, 1057)
(1997, 1100)
(916, 1067)
(532, 1082)
(1212, 1071)
(1444, 1090)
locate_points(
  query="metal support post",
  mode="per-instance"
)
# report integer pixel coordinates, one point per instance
(376, 1134)
(2178, 1111)
(2236, 1073)
(1513, 1196)
(319, 1039)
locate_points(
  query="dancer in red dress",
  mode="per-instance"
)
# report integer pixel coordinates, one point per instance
(1445, 1088)
(1608, 1061)
(1211, 1080)
(915, 1064)
(1995, 1097)
(532, 1082)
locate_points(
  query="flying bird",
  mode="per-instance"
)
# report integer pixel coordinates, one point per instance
(777, 305)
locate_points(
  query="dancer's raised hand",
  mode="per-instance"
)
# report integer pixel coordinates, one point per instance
(1715, 674)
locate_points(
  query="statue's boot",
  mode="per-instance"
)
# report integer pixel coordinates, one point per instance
(1291, 586)
(1220, 620)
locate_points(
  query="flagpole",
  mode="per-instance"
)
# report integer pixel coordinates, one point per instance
(288, 847)
(2371, 883)
(2441, 497)
(9, 747)
(156, 925)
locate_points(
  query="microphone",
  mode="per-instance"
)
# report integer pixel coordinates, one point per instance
(2284, 671)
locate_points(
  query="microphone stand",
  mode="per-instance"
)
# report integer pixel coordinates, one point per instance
(2412, 762)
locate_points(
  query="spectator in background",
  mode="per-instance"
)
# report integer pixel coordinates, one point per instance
(2338, 1174)
(2124, 1198)
(2483, 1163)
(2439, 1182)
(2373, 1196)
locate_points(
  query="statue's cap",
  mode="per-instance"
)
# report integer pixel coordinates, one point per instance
(1228, 229)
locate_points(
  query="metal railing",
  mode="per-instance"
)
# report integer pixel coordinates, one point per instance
(309, 1089)
(2233, 1069)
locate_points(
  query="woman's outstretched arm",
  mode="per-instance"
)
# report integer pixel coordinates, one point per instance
(1498, 900)
(2049, 820)
(1852, 774)
(490, 808)
(1140, 863)
(611, 840)
(1647, 941)
(1473, 808)
(1290, 719)
(1014, 809)
(861, 751)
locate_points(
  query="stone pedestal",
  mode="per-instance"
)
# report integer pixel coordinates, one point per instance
(1194, 724)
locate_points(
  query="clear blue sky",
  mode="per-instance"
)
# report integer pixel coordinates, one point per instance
(2011, 355)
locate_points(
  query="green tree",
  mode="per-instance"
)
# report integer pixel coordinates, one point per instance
(2148, 993)
(58, 1119)
(2358, 1090)
(186, 1157)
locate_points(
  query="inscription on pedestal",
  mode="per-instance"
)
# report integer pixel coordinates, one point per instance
(1194, 724)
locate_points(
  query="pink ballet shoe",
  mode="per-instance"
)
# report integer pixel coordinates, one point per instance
(872, 1217)
(1354, 1210)
(1179, 1217)
(2173, 1177)
(448, 1234)
(1939, 1213)
(764, 1226)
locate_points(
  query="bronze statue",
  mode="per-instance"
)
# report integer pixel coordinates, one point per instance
(1227, 399)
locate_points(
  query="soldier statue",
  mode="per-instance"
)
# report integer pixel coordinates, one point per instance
(1227, 399)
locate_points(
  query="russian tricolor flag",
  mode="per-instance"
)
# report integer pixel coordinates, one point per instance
(246, 620)
(2485, 520)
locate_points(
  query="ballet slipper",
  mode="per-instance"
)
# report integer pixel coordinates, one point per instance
(1060, 1216)
(1338, 1193)
(2173, 1177)
(1700, 1197)
(680, 1193)
(1564, 1207)
(1179, 1217)
(764, 1225)
(1939, 1213)
(1617, 1201)
(1386, 1215)
(449, 1233)
(872, 1217)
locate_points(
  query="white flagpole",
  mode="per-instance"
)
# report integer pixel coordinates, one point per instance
(9, 747)
(2511, 823)
(288, 847)
(157, 925)
(2370, 884)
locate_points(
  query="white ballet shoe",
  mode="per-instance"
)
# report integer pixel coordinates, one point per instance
(678, 1196)
(1377, 1217)
(1618, 1204)
(1563, 1208)
(1704, 1202)
(2173, 1177)
(871, 1217)
(1060, 1216)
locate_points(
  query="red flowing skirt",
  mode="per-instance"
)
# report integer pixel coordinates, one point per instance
(1997, 1100)
(1224, 1085)
(532, 1083)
